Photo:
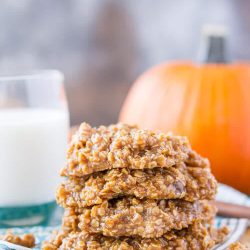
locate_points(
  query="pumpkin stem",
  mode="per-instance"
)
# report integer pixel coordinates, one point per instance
(214, 45)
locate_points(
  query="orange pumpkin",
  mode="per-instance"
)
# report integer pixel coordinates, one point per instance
(209, 103)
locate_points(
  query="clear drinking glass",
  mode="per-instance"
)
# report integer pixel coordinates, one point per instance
(34, 124)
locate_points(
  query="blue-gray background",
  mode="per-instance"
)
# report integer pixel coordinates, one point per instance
(103, 45)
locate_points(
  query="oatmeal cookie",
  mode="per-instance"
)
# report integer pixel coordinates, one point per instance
(123, 146)
(134, 217)
(187, 183)
(196, 237)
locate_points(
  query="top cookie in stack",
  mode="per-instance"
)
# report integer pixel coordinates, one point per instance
(123, 146)
(136, 189)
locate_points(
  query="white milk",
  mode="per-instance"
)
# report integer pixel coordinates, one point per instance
(32, 152)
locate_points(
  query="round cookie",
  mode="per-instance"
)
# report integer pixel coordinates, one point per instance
(123, 146)
(187, 183)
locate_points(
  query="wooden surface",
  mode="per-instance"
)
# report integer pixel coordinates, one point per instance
(246, 238)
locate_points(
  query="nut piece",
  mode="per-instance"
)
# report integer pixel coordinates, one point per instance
(27, 240)
(238, 246)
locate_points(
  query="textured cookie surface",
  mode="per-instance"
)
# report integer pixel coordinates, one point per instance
(188, 183)
(123, 146)
(134, 217)
(196, 237)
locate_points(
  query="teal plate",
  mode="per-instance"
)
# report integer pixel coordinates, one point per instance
(40, 214)
(236, 226)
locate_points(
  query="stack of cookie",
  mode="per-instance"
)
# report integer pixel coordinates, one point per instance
(128, 188)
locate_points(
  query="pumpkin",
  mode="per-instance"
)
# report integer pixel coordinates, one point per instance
(209, 102)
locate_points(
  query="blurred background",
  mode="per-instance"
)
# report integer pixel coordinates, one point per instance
(103, 45)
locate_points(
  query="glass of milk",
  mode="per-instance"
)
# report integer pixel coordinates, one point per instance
(34, 124)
